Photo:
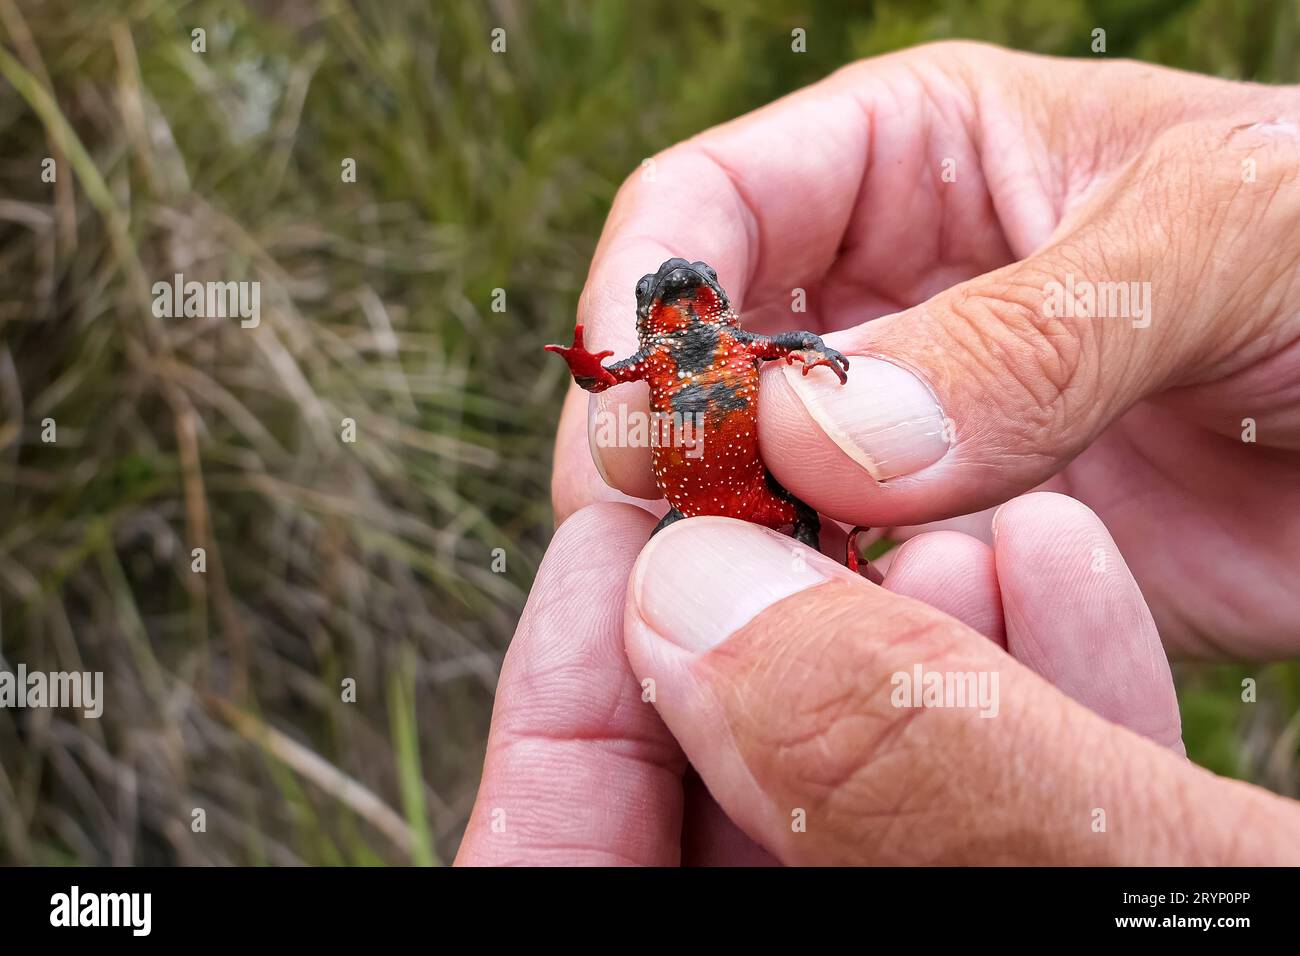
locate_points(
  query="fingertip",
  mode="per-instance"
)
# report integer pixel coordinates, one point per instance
(955, 573)
(1075, 614)
(1038, 507)
(701, 579)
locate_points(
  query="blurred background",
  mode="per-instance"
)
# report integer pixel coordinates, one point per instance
(372, 560)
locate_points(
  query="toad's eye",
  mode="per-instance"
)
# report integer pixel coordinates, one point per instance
(642, 288)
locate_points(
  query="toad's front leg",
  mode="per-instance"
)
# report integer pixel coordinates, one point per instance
(587, 370)
(794, 347)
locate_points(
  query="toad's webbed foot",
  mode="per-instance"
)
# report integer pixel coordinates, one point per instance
(585, 366)
(823, 354)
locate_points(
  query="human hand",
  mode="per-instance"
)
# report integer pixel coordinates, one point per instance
(581, 770)
(1086, 172)
(797, 700)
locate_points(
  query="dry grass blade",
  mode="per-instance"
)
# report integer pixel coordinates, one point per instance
(312, 767)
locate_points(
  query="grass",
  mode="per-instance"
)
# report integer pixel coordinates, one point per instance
(369, 561)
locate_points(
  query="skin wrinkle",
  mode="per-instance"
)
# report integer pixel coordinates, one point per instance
(934, 644)
(929, 100)
(1055, 345)
(875, 832)
(1198, 639)
(1080, 167)
(539, 816)
(1118, 137)
(1274, 309)
(985, 354)
(645, 747)
(1089, 336)
(1009, 204)
(569, 854)
(1214, 266)
(971, 309)
(822, 720)
(797, 666)
(1261, 212)
(972, 124)
(927, 135)
(865, 153)
(878, 88)
(871, 784)
(638, 749)
(540, 691)
(1155, 194)
(1019, 785)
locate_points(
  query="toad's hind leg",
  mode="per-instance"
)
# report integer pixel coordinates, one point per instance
(666, 520)
(807, 523)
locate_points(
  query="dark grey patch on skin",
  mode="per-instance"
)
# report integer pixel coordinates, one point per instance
(696, 345)
(790, 341)
(640, 355)
(716, 398)
(673, 516)
(807, 523)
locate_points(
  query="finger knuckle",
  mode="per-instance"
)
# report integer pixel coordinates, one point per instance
(833, 734)
(961, 52)
(1207, 165)
(1029, 364)
(1229, 183)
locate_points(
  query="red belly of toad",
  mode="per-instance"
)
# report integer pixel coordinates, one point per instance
(709, 463)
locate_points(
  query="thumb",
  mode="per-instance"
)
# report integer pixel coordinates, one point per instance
(778, 673)
(994, 385)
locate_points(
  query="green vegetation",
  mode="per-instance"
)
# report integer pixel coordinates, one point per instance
(328, 560)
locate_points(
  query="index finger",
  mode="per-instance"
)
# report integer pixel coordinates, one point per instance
(579, 769)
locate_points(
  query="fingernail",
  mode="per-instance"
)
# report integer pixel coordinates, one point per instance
(619, 448)
(597, 408)
(699, 581)
(884, 418)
